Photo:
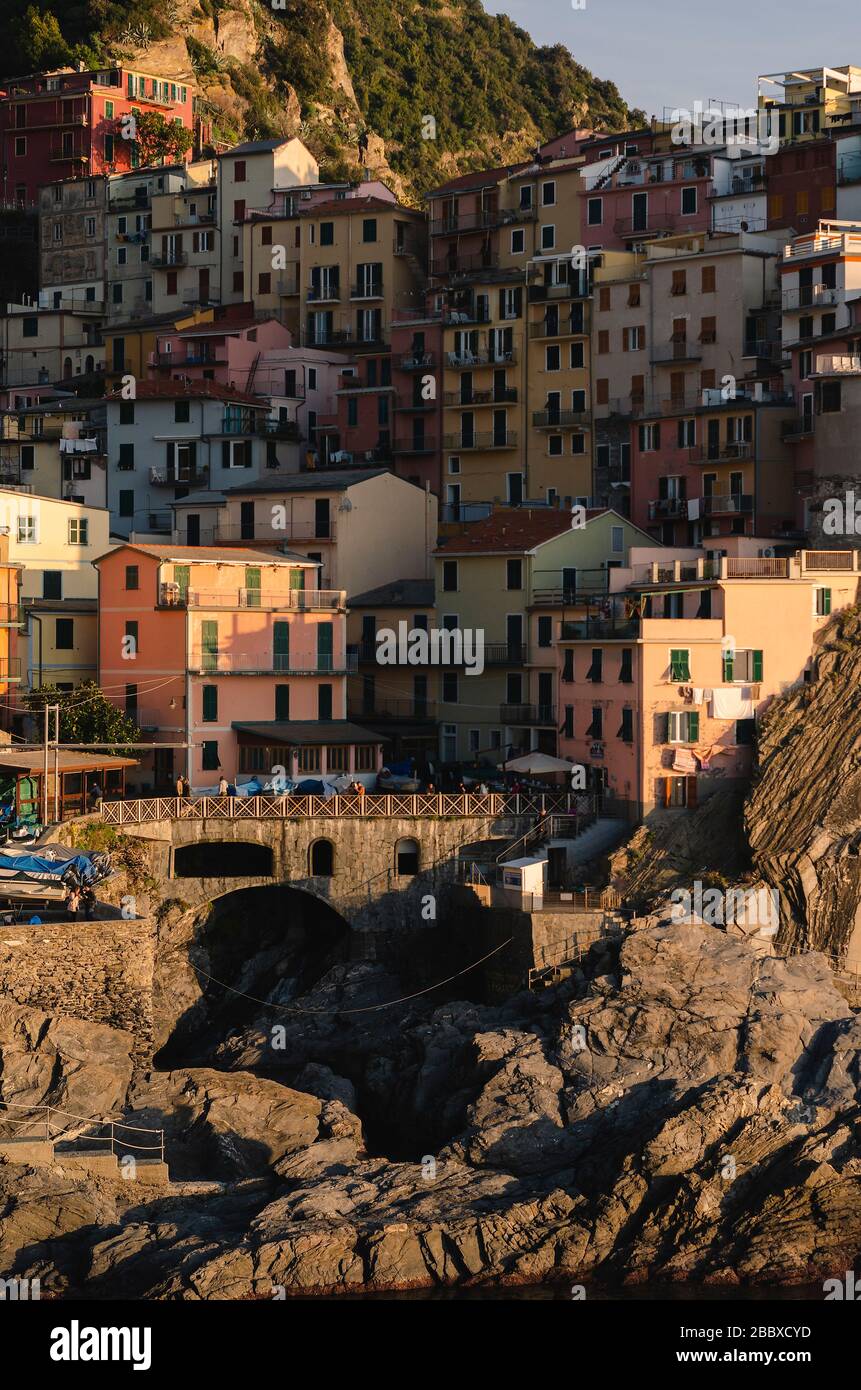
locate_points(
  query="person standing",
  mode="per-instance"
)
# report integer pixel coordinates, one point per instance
(223, 786)
(180, 783)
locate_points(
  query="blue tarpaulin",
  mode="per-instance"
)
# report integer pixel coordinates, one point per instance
(53, 862)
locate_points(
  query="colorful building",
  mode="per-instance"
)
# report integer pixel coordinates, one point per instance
(213, 649)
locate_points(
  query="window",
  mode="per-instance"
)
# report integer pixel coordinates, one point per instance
(126, 502)
(514, 574)
(595, 212)
(52, 584)
(64, 634)
(90, 226)
(26, 530)
(575, 356)
(449, 576)
(545, 631)
(626, 728)
(121, 254)
(210, 762)
(683, 726)
(322, 859)
(239, 171)
(548, 237)
(132, 577)
(210, 704)
(633, 339)
(548, 193)
(680, 664)
(552, 359)
(29, 327)
(554, 445)
(626, 675)
(131, 630)
(369, 229)
(109, 149)
(823, 602)
(745, 732)
(617, 539)
(78, 531)
(238, 282)
(830, 395)
(689, 201)
(327, 233)
(282, 702)
(181, 412)
(707, 279)
(596, 669)
(449, 687)
(596, 727)
(126, 460)
(264, 283)
(680, 284)
(603, 340)
(604, 298)
(649, 438)
(518, 242)
(20, 145)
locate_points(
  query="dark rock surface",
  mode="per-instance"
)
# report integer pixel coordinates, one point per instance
(690, 1114)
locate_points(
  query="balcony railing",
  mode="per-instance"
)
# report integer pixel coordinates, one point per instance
(497, 395)
(324, 294)
(809, 297)
(294, 600)
(370, 289)
(268, 664)
(528, 714)
(676, 352)
(668, 509)
(168, 260)
(280, 429)
(648, 226)
(497, 439)
(417, 362)
(10, 669)
(553, 419)
(586, 629)
(565, 326)
(466, 358)
(463, 265)
(719, 504)
(799, 428)
(178, 477)
(720, 453)
(566, 289)
(769, 349)
(837, 364)
(425, 445)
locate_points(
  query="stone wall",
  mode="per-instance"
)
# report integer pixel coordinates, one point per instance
(98, 971)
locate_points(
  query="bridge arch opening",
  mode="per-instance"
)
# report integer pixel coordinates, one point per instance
(223, 859)
(407, 858)
(321, 859)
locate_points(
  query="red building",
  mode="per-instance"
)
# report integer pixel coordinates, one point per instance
(65, 125)
(802, 185)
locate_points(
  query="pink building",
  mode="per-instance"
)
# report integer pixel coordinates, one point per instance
(232, 656)
(629, 198)
(226, 350)
(661, 685)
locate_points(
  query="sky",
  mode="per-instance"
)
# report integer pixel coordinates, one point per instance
(666, 53)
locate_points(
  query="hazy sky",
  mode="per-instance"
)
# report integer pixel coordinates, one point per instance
(673, 52)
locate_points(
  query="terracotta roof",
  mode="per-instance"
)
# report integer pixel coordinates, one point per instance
(400, 593)
(345, 205)
(223, 554)
(515, 529)
(179, 390)
(479, 179)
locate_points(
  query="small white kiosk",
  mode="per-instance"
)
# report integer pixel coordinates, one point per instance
(525, 881)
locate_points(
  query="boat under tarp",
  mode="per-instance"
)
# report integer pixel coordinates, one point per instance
(52, 865)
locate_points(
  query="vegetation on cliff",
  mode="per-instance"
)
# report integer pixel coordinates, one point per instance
(492, 92)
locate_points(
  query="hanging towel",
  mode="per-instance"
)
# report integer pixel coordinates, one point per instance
(727, 702)
(698, 693)
(684, 761)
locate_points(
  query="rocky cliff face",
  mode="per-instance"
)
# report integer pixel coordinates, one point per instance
(803, 816)
(685, 1110)
(337, 70)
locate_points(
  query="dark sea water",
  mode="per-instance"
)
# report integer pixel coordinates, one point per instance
(641, 1293)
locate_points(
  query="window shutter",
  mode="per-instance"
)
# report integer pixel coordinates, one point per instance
(691, 787)
(170, 450)
(727, 666)
(225, 453)
(694, 726)
(757, 666)
(657, 435)
(192, 454)
(661, 728)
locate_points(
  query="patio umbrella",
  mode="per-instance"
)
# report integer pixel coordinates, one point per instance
(536, 764)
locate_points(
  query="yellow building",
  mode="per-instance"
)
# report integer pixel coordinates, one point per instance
(54, 542)
(56, 449)
(396, 698)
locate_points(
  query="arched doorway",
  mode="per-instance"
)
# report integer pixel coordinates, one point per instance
(67, 368)
(322, 863)
(90, 364)
(407, 858)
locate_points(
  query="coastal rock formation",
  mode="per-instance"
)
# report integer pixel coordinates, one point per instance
(687, 1110)
(803, 816)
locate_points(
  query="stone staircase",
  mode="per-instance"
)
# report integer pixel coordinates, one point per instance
(42, 1135)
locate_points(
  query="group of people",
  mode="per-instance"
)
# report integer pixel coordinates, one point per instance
(183, 786)
(81, 900)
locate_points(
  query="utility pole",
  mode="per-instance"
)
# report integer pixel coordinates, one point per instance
(49, 710)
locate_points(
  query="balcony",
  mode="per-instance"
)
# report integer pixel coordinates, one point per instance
(179, 477)
(427, 445)
(809, 297)
(566, 289)
(676, 352)
(793, 430)
(287, 286)
(766, 349)
(324, 294)
(566, 326)
(417, 362)
(212, 296)
(721, 453)
(496, 439)
(668, 509)
(837, 364)
(480, 220)
(268, 663)
(466, 359)
(248, 534)
(528, 714)
(653, 225)
(719, 504)
(286, 600)
(467, 264)
(505, 654)
(161, 523)
(556, 419)
(370, 289)
(244, 424)
(10, 669)
(611, 629)
(280, 429)
(169, 260)
(495, 396)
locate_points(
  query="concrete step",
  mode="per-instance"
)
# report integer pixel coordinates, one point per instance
(27, 1149)
(98, 1162)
